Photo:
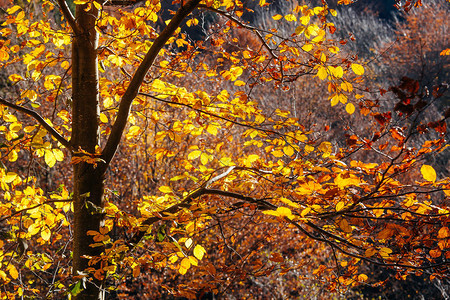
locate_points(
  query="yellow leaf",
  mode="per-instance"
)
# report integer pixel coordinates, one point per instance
(428, 173)
(334, 100)
(12, 156)
(342, 98)
(289, 202)
(334, 49)
(239, 83)
(194, 154)
(233, 73)
(280, 212)
(288, 150)
(307, 47)
(165, 189)
(357, 69)
(305, 211)
(173, 258)
(30, 94)
(103, 118)
(211, 129)
(191, 22)
(322, 73)
(15, 127)
(340, 206)
(33, 229)
(284, 212)
(188, 243)
(10, 177)
(299, 30)
(13, 271)
(308, 149)
(15, 77)
(199, 252)
(59, 155)
(49, 158)
(133, 131)
(277, 153)
(290, 18)
(204, 158)
(346, 86)
(259, 119)
(305, 20)
(193, 261)
(384, 252)
(350, 108)
(326, 148)
(277, 17)
(45, 234)
(29, 129)
(337, 72)
(97, 5)
(318, 9)
(3, 275)
(182, 270)
(13, 9)
(185, 263)
(252, 158)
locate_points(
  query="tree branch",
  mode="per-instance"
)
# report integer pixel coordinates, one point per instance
(268, 131)
(124, 108)
(41, 121)
(264, 205)
(186, 203)
(33, 207)
(69, 17)
(243, 25)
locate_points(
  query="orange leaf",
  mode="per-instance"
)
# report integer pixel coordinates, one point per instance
(362, 277)
(435, 253)
(443, 233)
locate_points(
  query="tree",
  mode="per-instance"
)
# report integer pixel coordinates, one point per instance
(140, 81)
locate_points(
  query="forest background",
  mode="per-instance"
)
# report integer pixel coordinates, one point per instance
(224, 149)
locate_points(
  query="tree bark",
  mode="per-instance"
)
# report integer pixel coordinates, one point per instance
(87, 180)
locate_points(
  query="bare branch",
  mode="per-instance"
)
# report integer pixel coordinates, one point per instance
(125, 105)
(41, 121)
(69, 17)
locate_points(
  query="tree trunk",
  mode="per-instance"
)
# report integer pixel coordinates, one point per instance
(87, 180)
